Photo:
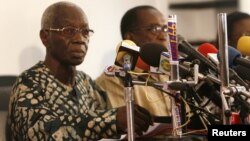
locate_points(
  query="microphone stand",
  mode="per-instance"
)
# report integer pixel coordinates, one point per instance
(129, 98)
(224, 70)
(241, 95)
(174, 75)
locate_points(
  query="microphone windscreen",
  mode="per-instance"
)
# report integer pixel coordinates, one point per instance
(151, 53)
(232, 55)
(243, 45)
(206, 48)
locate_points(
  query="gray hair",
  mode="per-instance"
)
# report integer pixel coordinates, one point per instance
(50, 13)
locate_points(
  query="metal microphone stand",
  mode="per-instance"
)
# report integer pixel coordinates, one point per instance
(129, 98)
(224, 70)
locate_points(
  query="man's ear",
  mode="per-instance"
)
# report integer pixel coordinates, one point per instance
(44, 37)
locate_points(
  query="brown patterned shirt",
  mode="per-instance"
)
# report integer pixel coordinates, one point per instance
(43, 108)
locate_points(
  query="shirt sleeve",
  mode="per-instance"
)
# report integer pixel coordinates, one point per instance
(32, 118)
(114, 88)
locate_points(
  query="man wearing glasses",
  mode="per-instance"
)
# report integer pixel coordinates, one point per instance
(142, 24)
(54, 101)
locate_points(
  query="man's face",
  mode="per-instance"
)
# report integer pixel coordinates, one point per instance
(68, 47)
(151, 27)
(241, 28)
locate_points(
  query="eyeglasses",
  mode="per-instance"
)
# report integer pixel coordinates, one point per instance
(71, 31)
(155, 29)
(158, 28)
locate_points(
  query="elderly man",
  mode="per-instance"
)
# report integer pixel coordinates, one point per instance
(54, 101)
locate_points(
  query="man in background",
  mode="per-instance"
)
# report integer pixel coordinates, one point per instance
(238, 25)
(142, 25)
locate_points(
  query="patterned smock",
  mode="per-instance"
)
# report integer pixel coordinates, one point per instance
(43, 108)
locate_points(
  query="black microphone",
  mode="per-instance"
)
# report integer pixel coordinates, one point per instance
(186, 48)
(151, 53)
(243, 72)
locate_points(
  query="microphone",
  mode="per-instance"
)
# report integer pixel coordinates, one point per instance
(209, 51)
(232, 74)
(127, 55)
(243, 72)
(243, 45)
(188, 49)
(151, 53)
(207, 48)
(236, 59)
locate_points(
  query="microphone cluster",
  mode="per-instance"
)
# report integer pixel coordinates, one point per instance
(198, 69)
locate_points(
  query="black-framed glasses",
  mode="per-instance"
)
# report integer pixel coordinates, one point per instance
(155, 29)
(70, 31)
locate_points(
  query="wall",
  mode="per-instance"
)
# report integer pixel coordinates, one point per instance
(20, 44)
(20, 24)
(198, 24)
(244, 6)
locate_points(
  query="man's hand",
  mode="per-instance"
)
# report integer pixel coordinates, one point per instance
(142, 119)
